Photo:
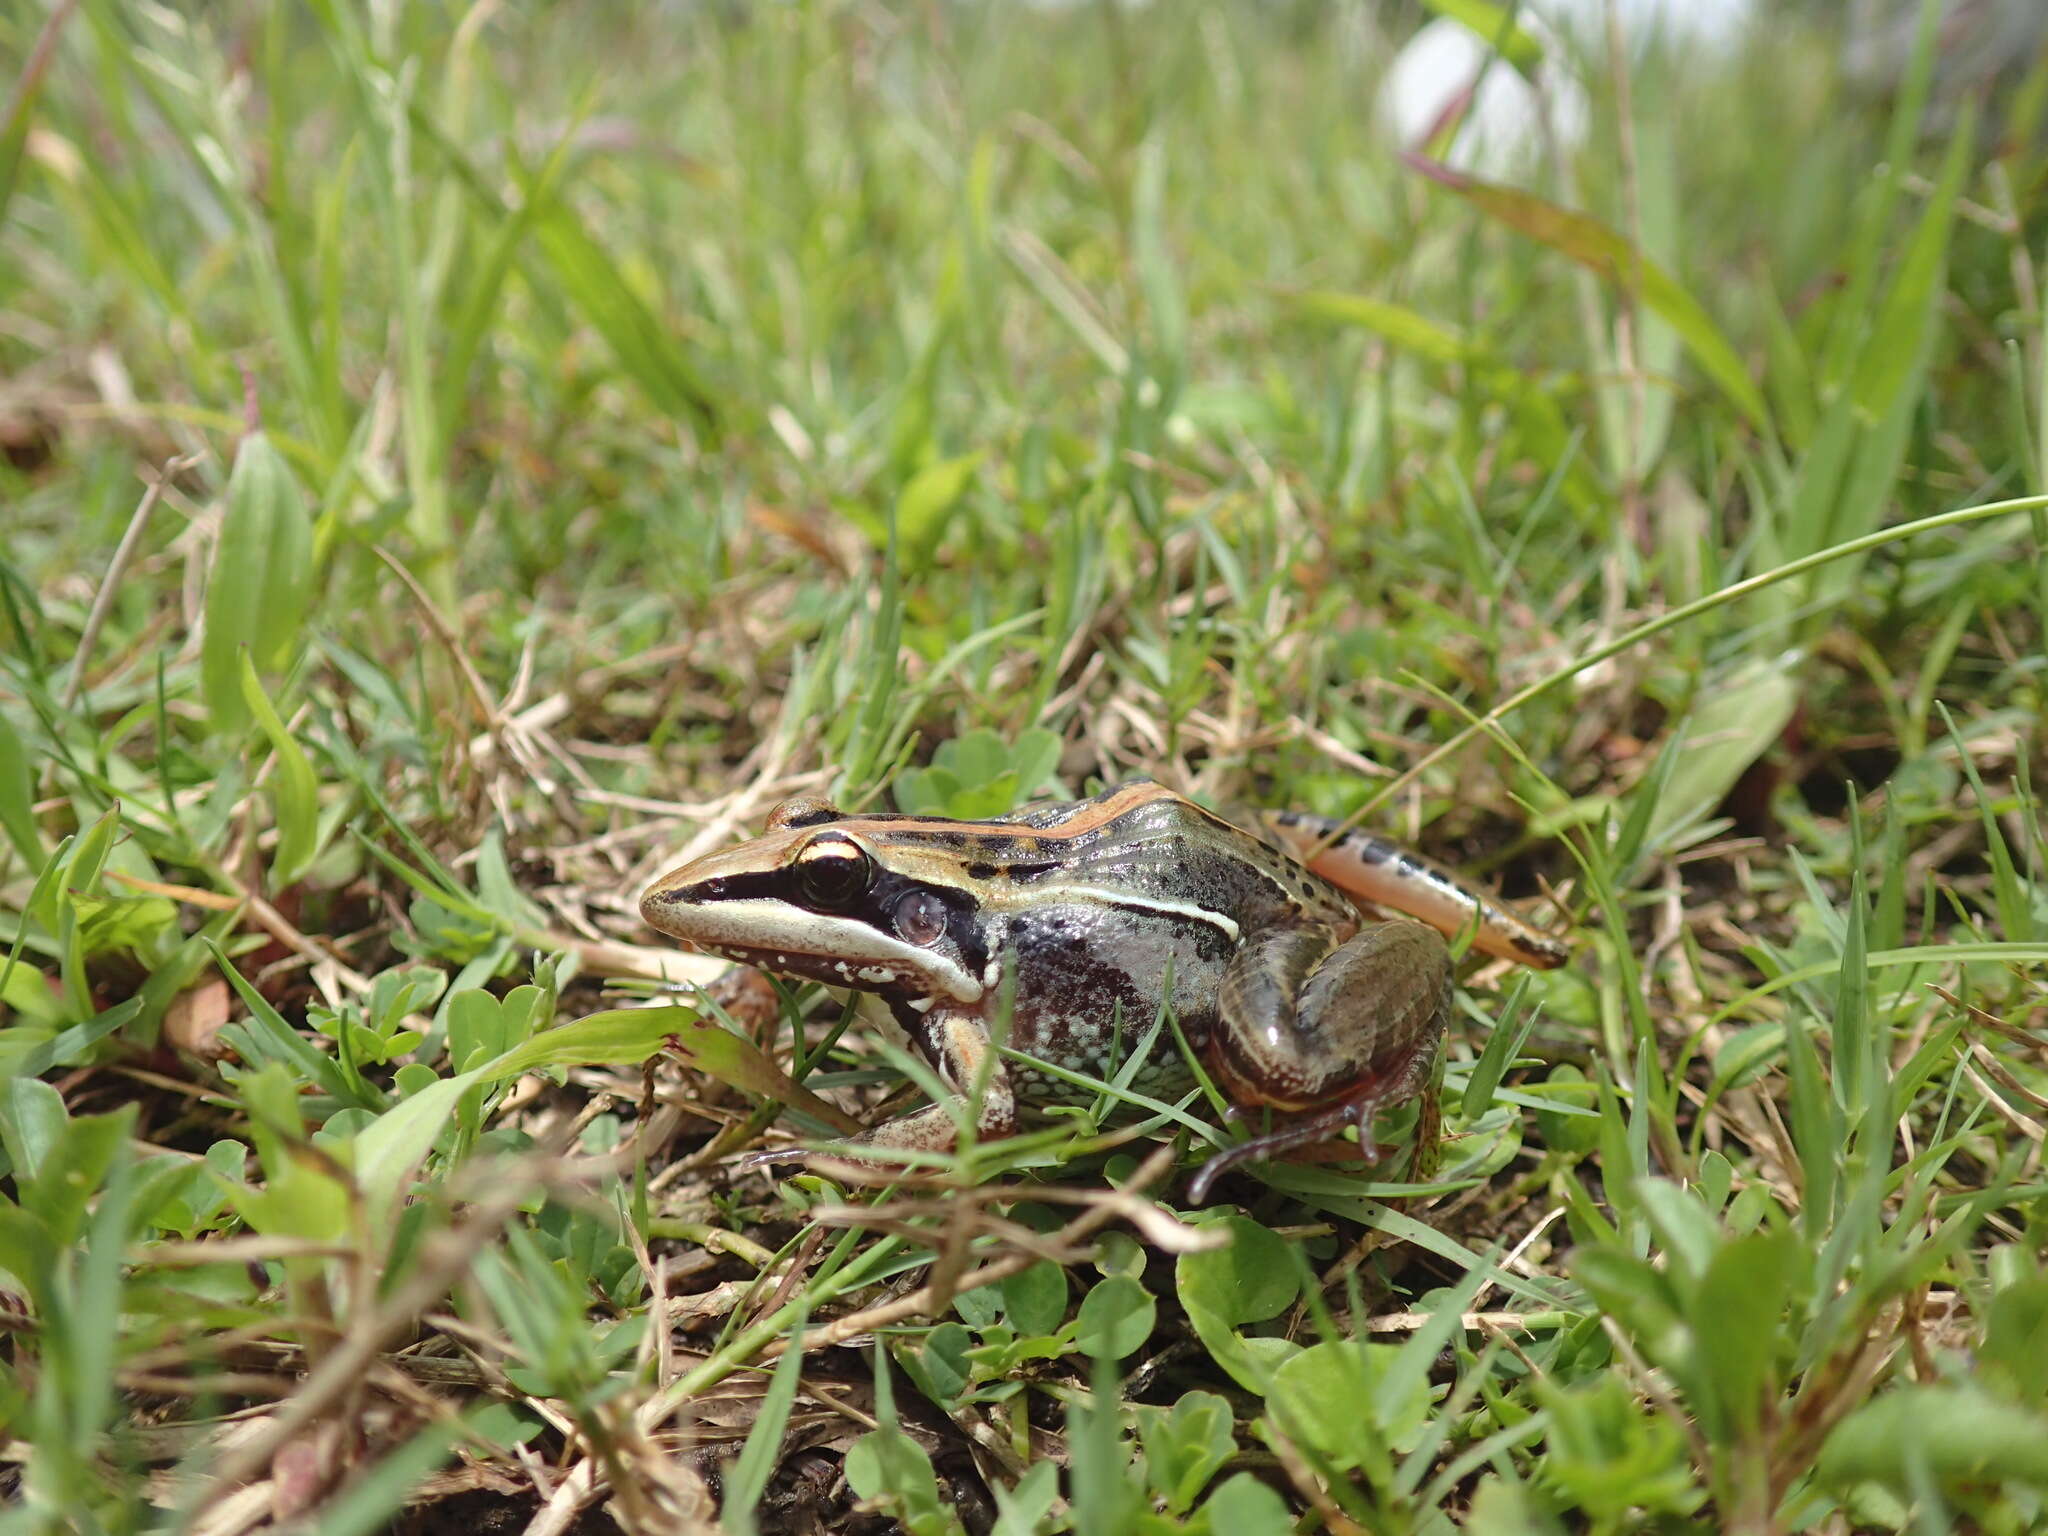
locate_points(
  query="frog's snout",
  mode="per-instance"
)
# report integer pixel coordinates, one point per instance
(662, 900)
(665, 904)
(681, 900)
(684, 893)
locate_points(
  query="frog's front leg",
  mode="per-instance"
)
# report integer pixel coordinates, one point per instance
(959, 1047)
(1336, 1030)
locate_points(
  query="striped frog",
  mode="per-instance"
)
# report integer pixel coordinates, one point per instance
(1275, 953)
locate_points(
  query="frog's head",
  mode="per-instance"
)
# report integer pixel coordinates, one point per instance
(831, 897)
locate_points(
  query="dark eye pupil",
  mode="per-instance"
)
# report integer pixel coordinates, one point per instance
(834, 879)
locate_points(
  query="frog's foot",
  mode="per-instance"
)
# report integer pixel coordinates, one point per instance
(962, 1053)
(1294, 1134)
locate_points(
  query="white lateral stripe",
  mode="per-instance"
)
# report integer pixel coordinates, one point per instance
(768, 927)
(1111, 898)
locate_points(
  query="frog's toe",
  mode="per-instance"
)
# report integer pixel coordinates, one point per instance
(843, 1163)
(764, 1159)
(1294, 1134)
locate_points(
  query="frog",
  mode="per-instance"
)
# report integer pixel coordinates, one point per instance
(1307, 965)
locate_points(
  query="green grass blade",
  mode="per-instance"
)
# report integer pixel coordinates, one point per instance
(1610, 257)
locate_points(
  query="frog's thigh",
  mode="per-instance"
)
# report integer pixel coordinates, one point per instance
(1305, 1022)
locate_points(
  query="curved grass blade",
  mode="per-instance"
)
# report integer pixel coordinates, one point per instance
(1615, 260)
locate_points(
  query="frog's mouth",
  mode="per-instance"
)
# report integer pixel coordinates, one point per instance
(748, 917)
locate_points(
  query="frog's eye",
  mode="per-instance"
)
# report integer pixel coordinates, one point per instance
(833, 871)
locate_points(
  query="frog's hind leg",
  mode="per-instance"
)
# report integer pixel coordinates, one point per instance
(1340, 1030)
(1394, 878)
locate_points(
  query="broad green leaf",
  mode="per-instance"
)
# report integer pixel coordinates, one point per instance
(1025, 1509)
(944, 1359)
(1684, 1229)
(476, 1029)
(1957, 1435)
(1326, 1397)
(977, 774)
(32, 1121)
(1504, 1508)
(927, 502)
(260, 587)
(1035, 757)
(17, 797)
(386, 1153)
(1250, 1280)
(1562, 1131)
(1613, 1456)
(1736, 1312)
(294, 792)
(27, 991)
(1035, 1299)
(498, 892)
(2016, 1335)
(299, 1199)
(1640, 1296)
(887, 1464)
(1244, 1506)
(1116, 1317)
(73, 1162)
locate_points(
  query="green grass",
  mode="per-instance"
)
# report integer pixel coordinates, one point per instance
(455, 460)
